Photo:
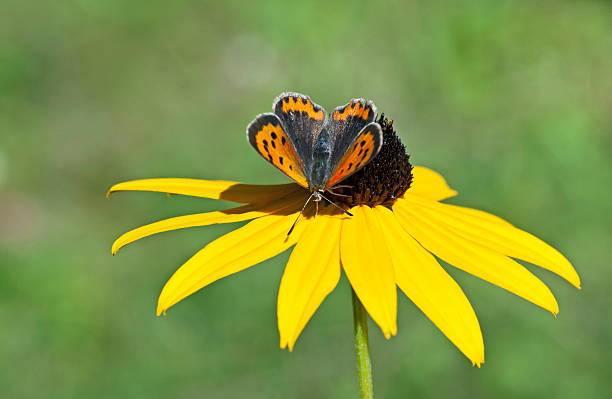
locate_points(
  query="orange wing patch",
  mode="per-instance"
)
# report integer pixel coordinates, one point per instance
(267, 136)
(298, 104)
(355, 108)
(365, 147)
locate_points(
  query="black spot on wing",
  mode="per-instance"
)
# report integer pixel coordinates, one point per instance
(365, 154)
(301, 129)
(256, 128)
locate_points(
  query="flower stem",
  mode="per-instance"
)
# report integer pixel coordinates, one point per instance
(362, 349)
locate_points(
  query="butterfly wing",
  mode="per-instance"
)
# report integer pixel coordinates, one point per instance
(303, 120)
(267, 135)
(345, 123)
(364, 147)
(349, 126)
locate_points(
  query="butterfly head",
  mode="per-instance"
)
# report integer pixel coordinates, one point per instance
(317, 195)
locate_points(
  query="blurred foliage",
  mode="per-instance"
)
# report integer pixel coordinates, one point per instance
(510, 100)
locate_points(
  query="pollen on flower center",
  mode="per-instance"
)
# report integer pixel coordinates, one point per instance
(384, 179)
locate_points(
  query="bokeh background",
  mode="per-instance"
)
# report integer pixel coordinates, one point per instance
(510, 100)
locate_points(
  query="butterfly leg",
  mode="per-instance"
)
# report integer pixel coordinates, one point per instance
(334, 204)
(338, 194)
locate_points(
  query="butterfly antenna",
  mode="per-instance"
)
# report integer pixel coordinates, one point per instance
(337, 206)
(300, 214)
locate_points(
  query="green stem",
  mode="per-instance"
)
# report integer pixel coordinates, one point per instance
(362, 349)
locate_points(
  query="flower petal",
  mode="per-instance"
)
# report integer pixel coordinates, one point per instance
(215, 189)
(255, 242)
(429, 184)
(313, 271)
(496, 235)
(478, 214)
(431, 288)
(473, 258)
(369, 268)
(284, 205)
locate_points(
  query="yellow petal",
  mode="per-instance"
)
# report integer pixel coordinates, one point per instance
(428, 285)
(368, 266)
(474, 258)
(311, 274)
(255, 242)
(216, 189)
(429, 184)
(285, 205)
(496, 235)
(477, 214)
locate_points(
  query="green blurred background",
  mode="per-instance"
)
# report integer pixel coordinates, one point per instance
(510, 100)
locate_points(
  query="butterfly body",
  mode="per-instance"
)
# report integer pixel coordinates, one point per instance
(321, 154)
(315, 151)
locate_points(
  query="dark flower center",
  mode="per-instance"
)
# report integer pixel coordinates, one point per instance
(384, 179)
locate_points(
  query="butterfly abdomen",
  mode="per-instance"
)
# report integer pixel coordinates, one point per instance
(319, 174)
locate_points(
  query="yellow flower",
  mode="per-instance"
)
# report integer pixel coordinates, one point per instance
(387, 242)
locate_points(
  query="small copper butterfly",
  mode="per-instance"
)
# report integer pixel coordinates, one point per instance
(316, 152)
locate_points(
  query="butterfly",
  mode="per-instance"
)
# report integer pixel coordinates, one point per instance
(315, 151)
